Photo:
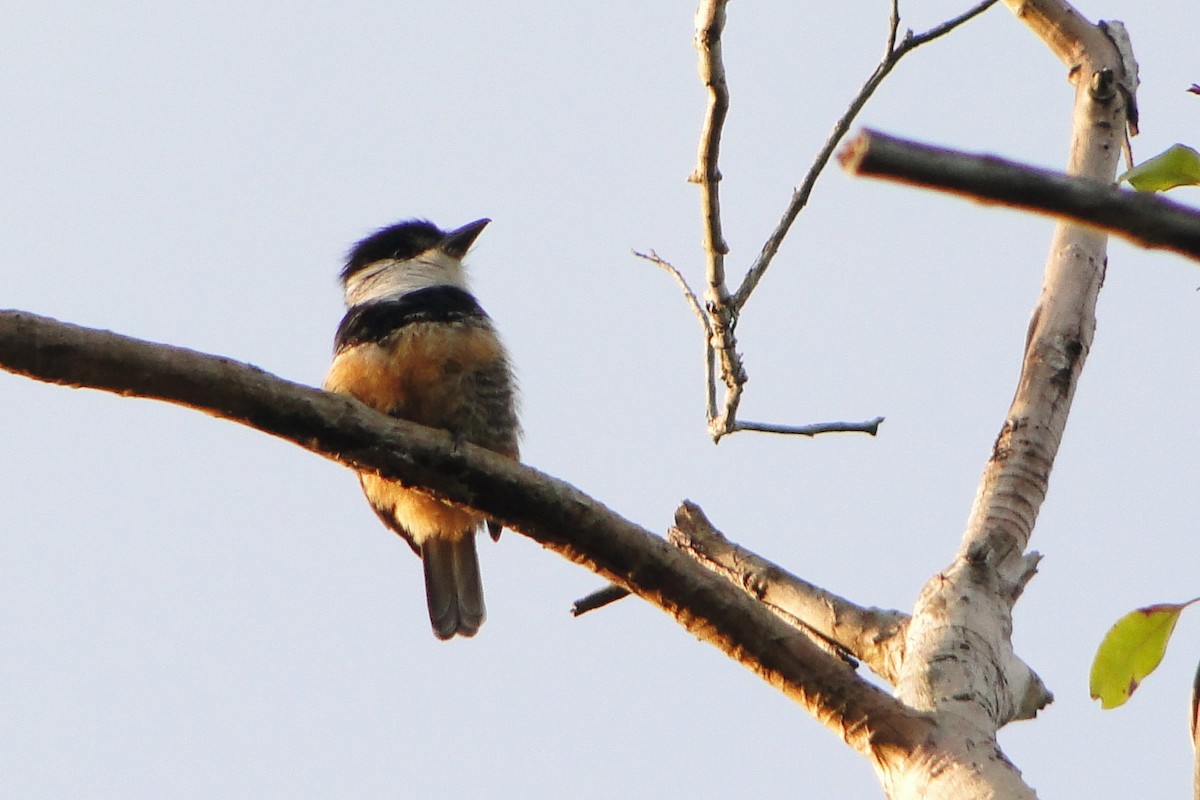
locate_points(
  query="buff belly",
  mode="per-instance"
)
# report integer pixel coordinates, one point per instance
(420, 516)
(426, 373)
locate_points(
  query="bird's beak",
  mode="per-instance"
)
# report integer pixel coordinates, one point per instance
(459, 240)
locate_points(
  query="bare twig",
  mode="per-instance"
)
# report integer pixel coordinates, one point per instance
(599, 599)
(721, 312)
(870, 426)
(800, 195)
(1145, 219)
(710, 367)
(688, 294)
(893, 27)
(720, 309)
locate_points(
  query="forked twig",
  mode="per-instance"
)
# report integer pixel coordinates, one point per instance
(891, 57)
(720, 309)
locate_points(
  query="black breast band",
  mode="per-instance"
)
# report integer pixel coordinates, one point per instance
(372, 322)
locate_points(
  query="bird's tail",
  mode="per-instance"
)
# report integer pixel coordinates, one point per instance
(453, 587)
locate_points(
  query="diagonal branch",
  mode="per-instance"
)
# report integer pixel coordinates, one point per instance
(891, 57)
(710, 367)
(548, 510)
(873, 635)
(1143, 218)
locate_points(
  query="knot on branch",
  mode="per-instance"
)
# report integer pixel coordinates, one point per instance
(1103, 86)
(708, 175)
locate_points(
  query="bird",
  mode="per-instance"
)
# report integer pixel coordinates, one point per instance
(415, 344)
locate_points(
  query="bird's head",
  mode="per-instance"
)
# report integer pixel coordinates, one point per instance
(406, 257)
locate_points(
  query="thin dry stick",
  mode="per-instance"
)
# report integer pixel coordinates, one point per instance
(599, 599)
(892, 55)
(710, 367)
(870, 426)
(719, 314)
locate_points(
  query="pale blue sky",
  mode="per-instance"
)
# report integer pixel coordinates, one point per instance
(191, 609)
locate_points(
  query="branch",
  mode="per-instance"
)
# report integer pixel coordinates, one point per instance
(872, 635)
(870, 426)
(547, 510)
(891, 57)
(959, 659)
(710, 369)
(598, 599)
(1145, 219)
(719, 314)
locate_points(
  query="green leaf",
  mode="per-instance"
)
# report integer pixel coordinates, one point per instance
(1178, 165)
(1131, 650)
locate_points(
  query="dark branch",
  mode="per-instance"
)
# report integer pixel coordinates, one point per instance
(1145, 219)
(548, 510)
(599, 599)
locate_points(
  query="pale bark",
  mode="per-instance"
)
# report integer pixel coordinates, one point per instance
(873, 635)
(959, 654)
